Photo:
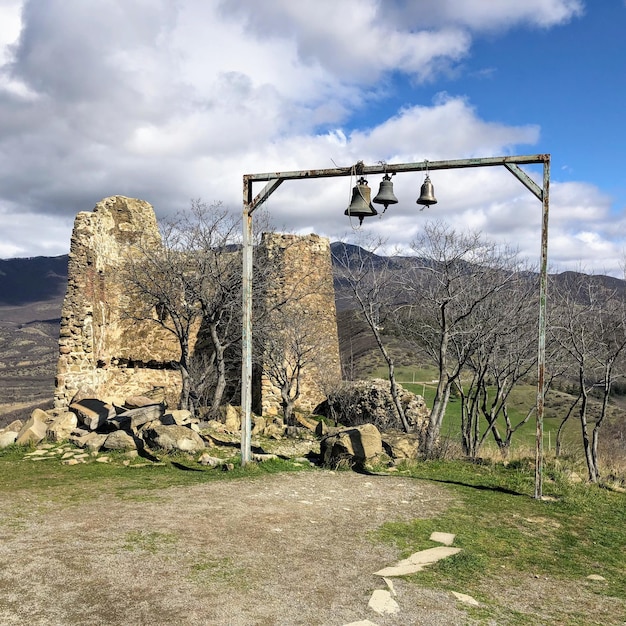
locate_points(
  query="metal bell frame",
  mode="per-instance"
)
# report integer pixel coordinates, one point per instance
(274, 179)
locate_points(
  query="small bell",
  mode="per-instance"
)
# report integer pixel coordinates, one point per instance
(427, 193)
(385, 194)
(361, 206)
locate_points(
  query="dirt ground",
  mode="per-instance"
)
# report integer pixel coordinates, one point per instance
(287, 549)
(282, 549)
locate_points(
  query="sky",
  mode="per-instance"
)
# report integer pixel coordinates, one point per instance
(175, 100)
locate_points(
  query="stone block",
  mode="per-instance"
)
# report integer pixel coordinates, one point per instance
(62, 426)
(120, 440)
(173, 438)
(7, 438)
(34, 430)
(92, 413)
(357, 445)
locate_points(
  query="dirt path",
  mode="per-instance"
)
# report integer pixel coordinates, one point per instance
(287, 549)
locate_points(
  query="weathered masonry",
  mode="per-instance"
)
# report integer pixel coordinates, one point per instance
(105, 353)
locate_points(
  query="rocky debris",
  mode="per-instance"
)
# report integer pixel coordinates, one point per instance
(119, 440)
(34, 430)
(173, 437)
(446, 538)
(92, 413)
(210, 461)
(351, 445)
(93, 424)
(62, 426)
(463, 597)
(370, 402)
(418, 561)
(383, 603)
(231, 418)
(7, 438)
(399, 445)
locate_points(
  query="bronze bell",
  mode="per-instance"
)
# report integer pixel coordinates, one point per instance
(361, 206)
(385, 194)
(427, 193)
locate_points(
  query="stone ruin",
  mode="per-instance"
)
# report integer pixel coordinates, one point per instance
(104, 354)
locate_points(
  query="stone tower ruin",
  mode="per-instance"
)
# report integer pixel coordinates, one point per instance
(104, 353)
(305, 272)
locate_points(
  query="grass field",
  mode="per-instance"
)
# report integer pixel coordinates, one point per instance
(525, 561)
(422, 381)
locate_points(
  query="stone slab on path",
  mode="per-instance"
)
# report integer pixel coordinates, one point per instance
(446, 538)
(382, 603)
(418, 561)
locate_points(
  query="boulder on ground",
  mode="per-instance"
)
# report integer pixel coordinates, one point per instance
(232, 418)
(370, 402)
(34, 430)
(89, 439)
(119, 440)
(14, 426)
(62, 426)
(7, 438)
(173, 438)
(92, 412)
(352, 445)
(399, 445)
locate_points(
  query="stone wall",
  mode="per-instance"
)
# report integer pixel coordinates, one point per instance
(100, 348)
(105, 353)
(305, 273)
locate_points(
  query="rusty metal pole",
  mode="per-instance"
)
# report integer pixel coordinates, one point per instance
(246, 355)
(541, 355)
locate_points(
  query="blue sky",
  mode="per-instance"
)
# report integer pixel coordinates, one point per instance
(169, 101)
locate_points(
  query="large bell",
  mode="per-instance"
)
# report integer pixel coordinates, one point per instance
(427, 193)
(385, 192)
(361, 206)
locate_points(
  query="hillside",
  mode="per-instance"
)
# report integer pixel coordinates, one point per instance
(31, 297)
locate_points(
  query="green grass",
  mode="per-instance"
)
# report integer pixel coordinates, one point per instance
(506, 537)
(580, 530)
(55, 481)
(522, 398)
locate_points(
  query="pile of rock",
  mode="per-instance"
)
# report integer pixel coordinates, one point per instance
(370, 402)
(143, 424)
(96, 425)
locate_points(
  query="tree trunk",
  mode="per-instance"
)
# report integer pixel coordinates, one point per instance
(591, 466)
(220, 367)
(185, 390)
(392, 377)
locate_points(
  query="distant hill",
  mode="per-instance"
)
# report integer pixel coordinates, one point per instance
(31, 298)
(35, 279)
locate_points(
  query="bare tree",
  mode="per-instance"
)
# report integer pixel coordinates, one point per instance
(452, 278)
(292, 344)
(193, 282)
(590, 325)
(505, 353)
(369, 282)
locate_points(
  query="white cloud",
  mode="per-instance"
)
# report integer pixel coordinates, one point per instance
(172, 101)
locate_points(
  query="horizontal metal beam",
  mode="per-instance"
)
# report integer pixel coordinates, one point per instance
(361, 169)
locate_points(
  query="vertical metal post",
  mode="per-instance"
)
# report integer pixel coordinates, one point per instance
(246, 357)
(541, 356)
